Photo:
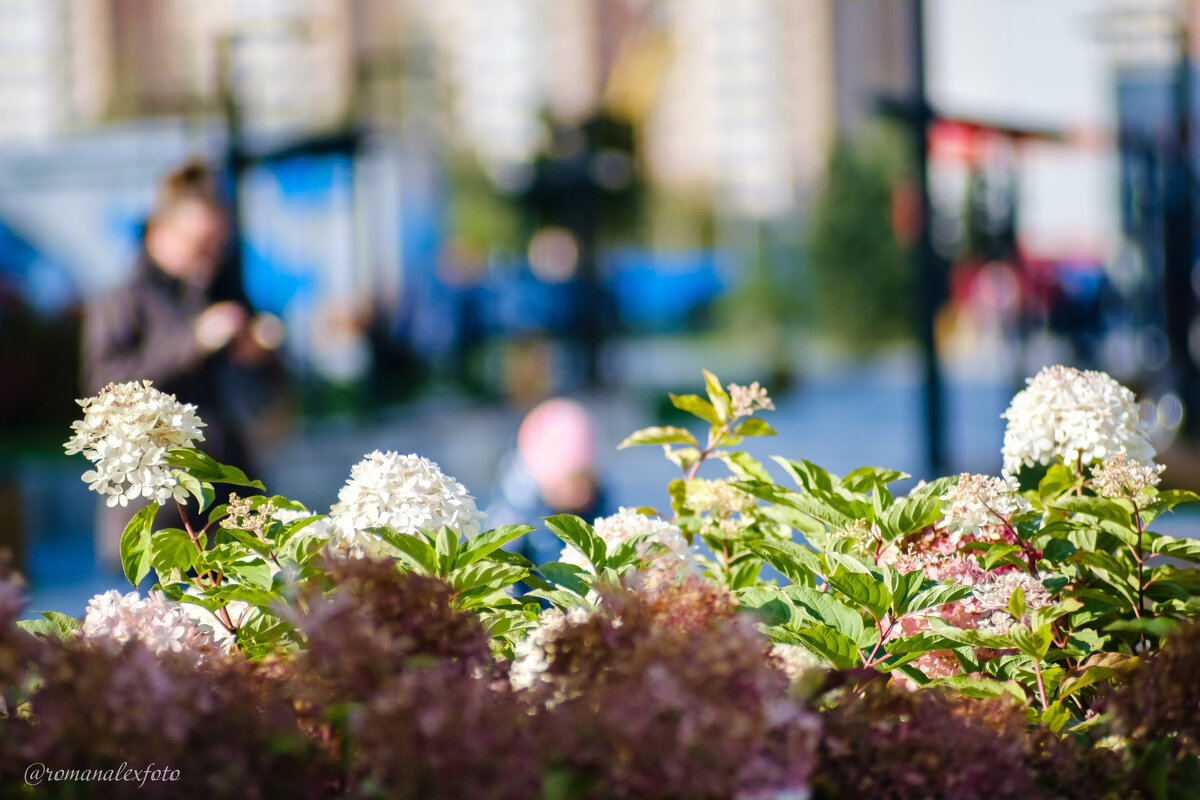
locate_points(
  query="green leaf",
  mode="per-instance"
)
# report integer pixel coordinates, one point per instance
(993, 553)
(910, 515)
(629, 551)
(1188, 549)
(834, 645)
(446, 547)
(1163, 591)
(1078, 680)
(743, 572)
(902, 586)
(980, 687)
(718, 396)
(1058, 550)
(574, 531)
(414, 550)
(1056, 716)
(1155, 626)
(1035, 644)
(205, 468)
(975, 638)
(754, 426)
(1057, 480)
(1173, 497)
(220, 555)
(253, 572)
(1165, 501)
(797, 562)
(1098, 507)
(824, 608)
(817, 508)
(744, 467)
(808, 476)
(682, 457)
(920, 642)
(864, 589)
(248, 539)
(246, 594)
(135, 544)
(302, 546)
(847, 562)
(769, 603)
(807, 524)
(696, 406)
(52, 623)
(1016, 604)
(201, 490)
(488, 574)
(865, 479)
(172, 548)
(667, 434)
(559, 598)
(290, 529)
(937, 596)
(1047, 614)
(568, 576)
(486, 543)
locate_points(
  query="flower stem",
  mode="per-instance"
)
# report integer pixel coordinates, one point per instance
(222, 613)
(1037, 669)
(870, 661)
(1138, 557)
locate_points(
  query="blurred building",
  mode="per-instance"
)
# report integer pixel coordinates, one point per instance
(287, 63)
(55, 67)
(69, 64)
(746, 103)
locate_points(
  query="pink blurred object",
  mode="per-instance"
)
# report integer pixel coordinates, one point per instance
(557, 440)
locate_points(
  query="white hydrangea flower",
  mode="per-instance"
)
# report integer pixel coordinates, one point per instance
(126, 431)
(531, 656)
(993, 596)
(404, 493)
(979, 501)
(1121, 476)
(718, 497)
(1071, 415)
(114, 619)
(795, 660)
(745, 400)
(627, 523)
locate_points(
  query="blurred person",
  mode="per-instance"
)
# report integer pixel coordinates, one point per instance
(551, 470)
(175, 323)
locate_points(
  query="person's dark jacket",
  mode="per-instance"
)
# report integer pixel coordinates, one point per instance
(146, 329)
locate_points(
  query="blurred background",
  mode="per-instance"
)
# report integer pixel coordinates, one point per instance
(890, 214)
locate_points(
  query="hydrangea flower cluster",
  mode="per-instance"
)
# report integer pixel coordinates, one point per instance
(1072, 416)
(717, 497)
(406, 493)
(114, 619)
(993, 596)
(978, 503)
(626, 524)
(795, 660)
(531, 655)
(745, 400)
(1121, 476)
(125, 432)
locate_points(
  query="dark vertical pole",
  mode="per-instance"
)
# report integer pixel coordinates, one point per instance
(1179, 296)
(235, 158)
(929, 278)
